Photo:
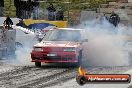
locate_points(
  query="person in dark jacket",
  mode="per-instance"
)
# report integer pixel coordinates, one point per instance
(28, 9)
(114, 19)
(51, 12)
(35, 9)
(18, 5)
(60, 14)
(8, 22)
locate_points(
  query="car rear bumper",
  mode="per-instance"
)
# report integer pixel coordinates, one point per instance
(56, 61)
(63, 57)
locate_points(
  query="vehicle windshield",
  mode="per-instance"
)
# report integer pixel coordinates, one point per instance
(62, 35)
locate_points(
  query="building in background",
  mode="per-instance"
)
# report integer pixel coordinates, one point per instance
(1, 8)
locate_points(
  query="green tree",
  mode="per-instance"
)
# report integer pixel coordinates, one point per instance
(9, 8)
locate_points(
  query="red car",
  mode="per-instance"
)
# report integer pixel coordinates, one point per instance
(61, 45)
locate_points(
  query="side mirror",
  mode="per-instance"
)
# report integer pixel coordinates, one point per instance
(84, 40)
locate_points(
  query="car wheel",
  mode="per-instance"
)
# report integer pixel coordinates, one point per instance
(38, 64)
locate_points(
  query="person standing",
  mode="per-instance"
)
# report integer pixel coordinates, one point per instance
(60, 14)
(51, 12)
(8, 22)
(114, 19)
(35, 9)
(18, 5)
(1, 8)
(28, 9)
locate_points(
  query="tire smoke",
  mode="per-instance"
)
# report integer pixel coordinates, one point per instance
(22, 53)
(105, 46)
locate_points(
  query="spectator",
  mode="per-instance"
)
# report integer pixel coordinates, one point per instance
(60, 14)
(114, 19)
(8, 22)
(1, 7)
(17, 4)
(51, 12)
(28, 9)
(23, 8)
(35, 9)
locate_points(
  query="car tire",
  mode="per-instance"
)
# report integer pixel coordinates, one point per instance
(38, 64)
(81, 80)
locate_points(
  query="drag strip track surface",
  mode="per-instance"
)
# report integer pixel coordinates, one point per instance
(50, 79)
(32, 77)
(46, 76)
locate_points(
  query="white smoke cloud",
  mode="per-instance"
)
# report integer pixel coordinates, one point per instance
(23, 56)
(23, 53)
(105, 46)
